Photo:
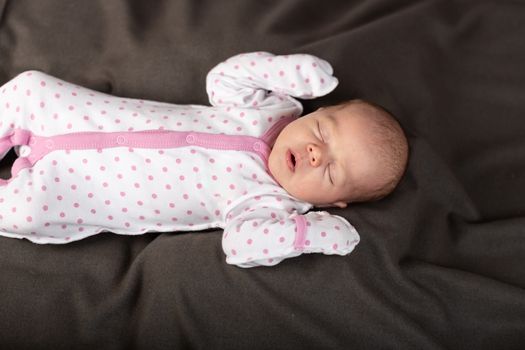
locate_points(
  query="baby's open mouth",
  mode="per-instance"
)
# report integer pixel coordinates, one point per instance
(290, 160)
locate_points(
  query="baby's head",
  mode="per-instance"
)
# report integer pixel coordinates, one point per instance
(351, 152)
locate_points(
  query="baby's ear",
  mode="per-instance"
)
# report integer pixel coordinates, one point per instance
(340, 204)
(336, 204)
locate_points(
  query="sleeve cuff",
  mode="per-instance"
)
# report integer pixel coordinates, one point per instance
(300, 232)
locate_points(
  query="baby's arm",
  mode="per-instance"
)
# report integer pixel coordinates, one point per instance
(266, 236)
(261, 79)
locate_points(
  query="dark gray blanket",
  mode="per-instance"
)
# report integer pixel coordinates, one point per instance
(441, 261)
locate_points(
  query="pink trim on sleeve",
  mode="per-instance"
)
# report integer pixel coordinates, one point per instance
(300, 232)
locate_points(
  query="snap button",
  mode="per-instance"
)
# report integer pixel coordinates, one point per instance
(257, 146)
(190, 138)
(121, 140)
(50, 144)
(25, 151)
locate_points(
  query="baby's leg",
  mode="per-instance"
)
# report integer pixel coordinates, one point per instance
(16, 113)
(18, 207)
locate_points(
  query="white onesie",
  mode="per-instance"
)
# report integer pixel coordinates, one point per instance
(91, 162)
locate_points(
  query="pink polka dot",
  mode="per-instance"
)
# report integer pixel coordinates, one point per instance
(249, 241)
(29, 219)
(323, 234)
(335, 246)
(265, 251)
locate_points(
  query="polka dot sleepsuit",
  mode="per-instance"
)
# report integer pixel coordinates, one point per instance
(91, 162)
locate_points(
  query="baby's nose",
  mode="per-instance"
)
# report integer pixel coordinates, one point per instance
(314, 155)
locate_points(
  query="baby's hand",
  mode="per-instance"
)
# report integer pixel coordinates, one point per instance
(328, 234)
(261, 78)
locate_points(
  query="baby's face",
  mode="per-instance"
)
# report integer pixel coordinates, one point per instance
(324, 157)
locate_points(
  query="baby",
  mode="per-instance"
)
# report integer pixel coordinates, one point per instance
(90, 162)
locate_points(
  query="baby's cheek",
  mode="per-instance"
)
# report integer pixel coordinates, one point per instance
(305, 188)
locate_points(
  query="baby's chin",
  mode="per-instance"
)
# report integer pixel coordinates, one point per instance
(309, 198)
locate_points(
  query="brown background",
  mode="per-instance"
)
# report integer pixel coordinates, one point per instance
(441, 261)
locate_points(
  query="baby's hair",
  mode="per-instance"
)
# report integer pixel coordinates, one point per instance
(389, 144)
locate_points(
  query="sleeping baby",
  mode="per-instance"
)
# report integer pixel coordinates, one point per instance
(89, 162)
